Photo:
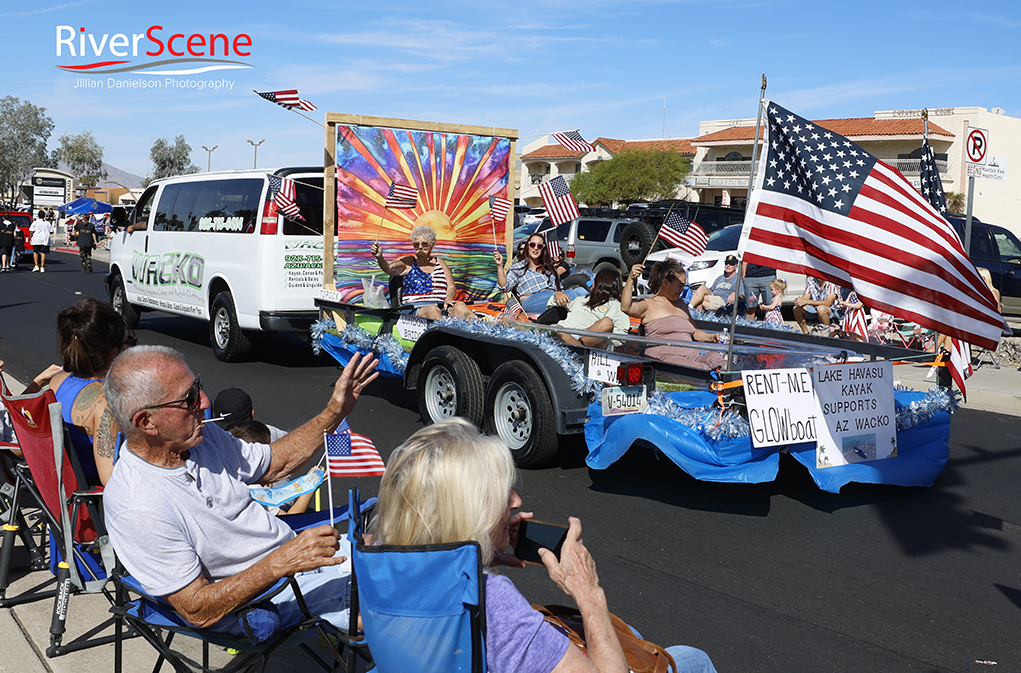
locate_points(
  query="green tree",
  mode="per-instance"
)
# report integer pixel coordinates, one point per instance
(84, 155)
(956, 201)
(168, 160)
(632, 175)
(24, 132)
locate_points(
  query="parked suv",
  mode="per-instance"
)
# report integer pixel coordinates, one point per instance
(640, 238)
(591, 242)
(998, 250)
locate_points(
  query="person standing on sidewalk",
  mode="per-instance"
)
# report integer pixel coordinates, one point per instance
(7, 229)
(41, 231)
(86, 231)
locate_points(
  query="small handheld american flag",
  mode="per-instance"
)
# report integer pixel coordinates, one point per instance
(682, 233)
(285, 197)
(349, 454)
(401, 196)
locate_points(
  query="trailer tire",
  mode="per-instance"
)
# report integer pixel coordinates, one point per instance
(229, 343)
(120, 303)
(519, 412)
(450, 384)
(638, 241)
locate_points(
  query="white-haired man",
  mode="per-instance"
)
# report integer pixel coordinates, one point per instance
(178, 507)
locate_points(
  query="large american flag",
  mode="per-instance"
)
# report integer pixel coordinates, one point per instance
(349, 454)
(682, 233)
(572, 140)
(401, 196)
(556, 196)
(822, 206)
(284, 197)
(960, 364)
(288, 99)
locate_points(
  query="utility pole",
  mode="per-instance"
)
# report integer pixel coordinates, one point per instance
(209, 156)
(255, 162)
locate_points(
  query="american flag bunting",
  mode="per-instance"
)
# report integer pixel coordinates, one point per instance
(682, 233)
(572, 140)
(288, 99)
(401, 196)
(822, 206)
(556, 196)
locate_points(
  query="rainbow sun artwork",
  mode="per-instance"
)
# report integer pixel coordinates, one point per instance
(454, 175)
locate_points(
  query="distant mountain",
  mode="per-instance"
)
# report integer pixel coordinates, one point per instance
(113, 175)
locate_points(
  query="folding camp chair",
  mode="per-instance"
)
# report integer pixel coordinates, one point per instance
(157, 622)
(422, 607)
(51, 475)
(14, 517)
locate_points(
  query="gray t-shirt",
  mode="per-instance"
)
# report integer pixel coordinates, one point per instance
(169, 525)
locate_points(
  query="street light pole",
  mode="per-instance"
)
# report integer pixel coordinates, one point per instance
(209, 157)
(255, 162)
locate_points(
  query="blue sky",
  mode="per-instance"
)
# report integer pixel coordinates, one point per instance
(604, 67)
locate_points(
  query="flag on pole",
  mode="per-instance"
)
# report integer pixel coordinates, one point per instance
(288, 99)
(284, 197)
(512, 306)
(572, 140)
(498, 208)
(931, 184)
(682, 233)
(556, 196)
(349, 454)
(554, 249)
(960, 364)
(822, 206)
(854, 320)
(401, 196)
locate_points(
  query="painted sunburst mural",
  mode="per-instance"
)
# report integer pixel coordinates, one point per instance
(455, 174)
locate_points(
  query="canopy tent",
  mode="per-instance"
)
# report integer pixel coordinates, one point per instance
(85, 205)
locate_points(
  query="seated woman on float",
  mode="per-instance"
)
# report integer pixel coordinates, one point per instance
(533, 279)
(665, 316)
(428, 283)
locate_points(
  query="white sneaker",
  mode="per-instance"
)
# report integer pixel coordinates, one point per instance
(42, 270)
(34, 269)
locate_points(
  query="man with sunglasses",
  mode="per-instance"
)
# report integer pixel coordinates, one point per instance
(178, 507)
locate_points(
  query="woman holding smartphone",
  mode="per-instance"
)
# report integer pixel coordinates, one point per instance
(449, 483)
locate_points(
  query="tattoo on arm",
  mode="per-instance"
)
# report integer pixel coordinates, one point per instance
(106, 437)
(87, 399)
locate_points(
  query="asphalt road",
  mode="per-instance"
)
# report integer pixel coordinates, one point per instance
(773, 577)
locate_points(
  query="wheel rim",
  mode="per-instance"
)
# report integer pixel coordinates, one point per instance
(118, 299)
(221, 329)
(440, 394)
(512, 415)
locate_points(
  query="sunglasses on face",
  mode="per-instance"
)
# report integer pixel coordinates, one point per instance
(420, 244)
(192, 400)
(538, 246)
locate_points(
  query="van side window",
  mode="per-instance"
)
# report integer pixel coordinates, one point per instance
(308, 194)
(226, 206)
(181, 217)
(140, 216)
(164, 209)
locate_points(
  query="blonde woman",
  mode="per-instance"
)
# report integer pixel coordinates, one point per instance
(449, 483)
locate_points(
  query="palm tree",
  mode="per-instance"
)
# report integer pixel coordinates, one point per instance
(955, 202)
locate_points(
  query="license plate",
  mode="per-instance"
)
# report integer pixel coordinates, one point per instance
(626, 400)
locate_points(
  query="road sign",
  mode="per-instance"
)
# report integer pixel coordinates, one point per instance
(995, 169)
(976, 144)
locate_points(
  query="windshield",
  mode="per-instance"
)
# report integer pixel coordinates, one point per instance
(724, 239)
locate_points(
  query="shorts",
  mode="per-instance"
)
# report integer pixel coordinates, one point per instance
(6, 252)
(713, 303)
(41, 249)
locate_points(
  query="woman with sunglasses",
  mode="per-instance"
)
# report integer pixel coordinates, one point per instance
(534, 279)
(666, 316)
(90, 334)
(428, 283)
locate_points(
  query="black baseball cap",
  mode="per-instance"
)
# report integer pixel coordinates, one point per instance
(731, 259)
(234, 404)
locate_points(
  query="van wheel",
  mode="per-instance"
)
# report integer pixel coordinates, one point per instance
(637, 241)
(119, 301)
(519, 411)
(450, 384)
(229, 343)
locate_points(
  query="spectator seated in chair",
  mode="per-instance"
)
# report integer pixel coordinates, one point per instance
(724, 291)
(533, 279)
(819, 300)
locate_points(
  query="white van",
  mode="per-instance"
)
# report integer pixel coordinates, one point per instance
(213, 246)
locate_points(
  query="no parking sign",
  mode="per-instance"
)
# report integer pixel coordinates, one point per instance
(976, 145)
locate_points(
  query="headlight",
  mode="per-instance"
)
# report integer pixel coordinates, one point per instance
(703, 264)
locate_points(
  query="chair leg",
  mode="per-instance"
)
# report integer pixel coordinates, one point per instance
(59, 619)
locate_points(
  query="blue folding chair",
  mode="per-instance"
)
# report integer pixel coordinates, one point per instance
(422, 607)
(157, 622)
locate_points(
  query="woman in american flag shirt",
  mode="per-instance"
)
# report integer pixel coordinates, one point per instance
(428, 283)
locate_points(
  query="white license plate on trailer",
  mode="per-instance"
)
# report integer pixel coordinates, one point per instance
(625, 400)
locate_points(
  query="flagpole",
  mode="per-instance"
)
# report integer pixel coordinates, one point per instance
(751, 185)
(381, 218)
(329, 480)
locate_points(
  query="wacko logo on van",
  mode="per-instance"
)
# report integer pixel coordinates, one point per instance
(172, 268)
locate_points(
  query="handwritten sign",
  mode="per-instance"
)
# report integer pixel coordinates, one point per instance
(781, 406)
(602, 366)
(859, 422)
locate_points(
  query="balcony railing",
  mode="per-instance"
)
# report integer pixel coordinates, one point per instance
(736, 168)
(539, 178)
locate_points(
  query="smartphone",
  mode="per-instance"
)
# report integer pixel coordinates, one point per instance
(536, 535)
